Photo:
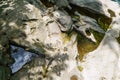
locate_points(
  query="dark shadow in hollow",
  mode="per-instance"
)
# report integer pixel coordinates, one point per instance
(89, 12)
(11, 27)
(47, 65)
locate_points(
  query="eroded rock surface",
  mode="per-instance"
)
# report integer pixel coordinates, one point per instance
(61, 37)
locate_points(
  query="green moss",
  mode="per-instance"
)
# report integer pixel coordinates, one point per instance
(103, 24)
(80, 68)
(72, 33)
(65, 37)
(84, 46)
(98, 36)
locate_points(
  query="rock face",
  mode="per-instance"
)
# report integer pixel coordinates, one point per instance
(74, 40)
(95, 5)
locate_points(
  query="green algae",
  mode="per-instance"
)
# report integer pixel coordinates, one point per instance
(98, 36)
(86, 45)
(67, 36)
(80, 68)
(103, 24)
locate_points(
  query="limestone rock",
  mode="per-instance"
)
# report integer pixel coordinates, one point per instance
(60, 43)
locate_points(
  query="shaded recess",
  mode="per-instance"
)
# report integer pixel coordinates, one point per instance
(118, 39)
(11, 27)
(42, 66)
(102, 20)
